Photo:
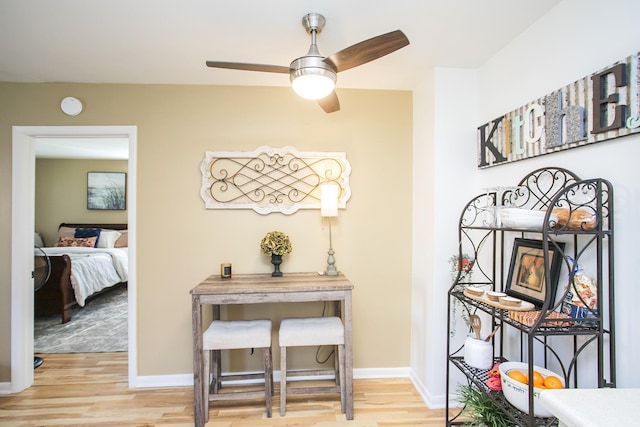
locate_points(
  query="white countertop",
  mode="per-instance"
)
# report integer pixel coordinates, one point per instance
(600, 407)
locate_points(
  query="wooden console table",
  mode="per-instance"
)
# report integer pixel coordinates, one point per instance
(261, 289)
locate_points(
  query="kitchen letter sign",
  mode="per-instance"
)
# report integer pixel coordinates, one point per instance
(596, 108)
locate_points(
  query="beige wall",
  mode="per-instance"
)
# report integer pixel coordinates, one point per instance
(180, 242)
(61, 194)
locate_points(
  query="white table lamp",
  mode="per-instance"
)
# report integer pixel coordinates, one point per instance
(329, 208)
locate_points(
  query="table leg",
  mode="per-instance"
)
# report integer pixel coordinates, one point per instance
(198, 383)
(217, 357)
(348, 356)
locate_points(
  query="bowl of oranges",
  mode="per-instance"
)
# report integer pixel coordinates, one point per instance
(515, 386)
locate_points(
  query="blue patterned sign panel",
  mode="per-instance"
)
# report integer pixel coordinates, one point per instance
(596, 108)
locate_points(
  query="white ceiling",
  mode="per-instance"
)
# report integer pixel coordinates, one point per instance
(168, 41)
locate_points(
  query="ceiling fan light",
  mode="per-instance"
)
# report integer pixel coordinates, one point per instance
(312, 83)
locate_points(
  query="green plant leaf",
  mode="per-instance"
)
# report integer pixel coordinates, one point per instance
(480, 409)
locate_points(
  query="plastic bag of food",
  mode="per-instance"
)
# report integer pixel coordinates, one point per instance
(581, 300)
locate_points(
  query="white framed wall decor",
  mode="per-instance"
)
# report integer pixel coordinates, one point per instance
(272, 179)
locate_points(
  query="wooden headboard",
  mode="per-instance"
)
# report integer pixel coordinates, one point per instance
(107, 226)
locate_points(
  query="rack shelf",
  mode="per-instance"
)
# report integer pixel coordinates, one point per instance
(578, 225)
(478, 377)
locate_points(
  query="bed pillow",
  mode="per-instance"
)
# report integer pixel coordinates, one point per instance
(85, 242)
(108, 238)
(66, 232)
(88, 232)
(123, 241)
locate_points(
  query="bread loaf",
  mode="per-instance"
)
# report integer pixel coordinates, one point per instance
(530, 317)
(579, 219)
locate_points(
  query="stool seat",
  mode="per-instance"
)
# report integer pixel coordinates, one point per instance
(233, 335)
(312, 331)
(301, 332)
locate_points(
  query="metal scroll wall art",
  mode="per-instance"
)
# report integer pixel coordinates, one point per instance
(271, 179)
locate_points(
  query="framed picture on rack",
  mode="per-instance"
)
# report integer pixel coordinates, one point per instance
(527, 279)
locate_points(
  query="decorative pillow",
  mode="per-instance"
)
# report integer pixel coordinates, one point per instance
(88, 232)
(86, 242)
(108, 238)
(123, 241)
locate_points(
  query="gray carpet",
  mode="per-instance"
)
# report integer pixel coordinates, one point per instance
(100, 326)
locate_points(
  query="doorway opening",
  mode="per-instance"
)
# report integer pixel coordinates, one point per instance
(23, 214)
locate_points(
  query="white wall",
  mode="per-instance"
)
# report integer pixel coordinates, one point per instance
(444, 168)
(575, 39)
(423, 153)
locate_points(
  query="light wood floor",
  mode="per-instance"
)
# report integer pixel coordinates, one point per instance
(91, 389)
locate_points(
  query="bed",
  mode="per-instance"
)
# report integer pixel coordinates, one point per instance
(83, 267)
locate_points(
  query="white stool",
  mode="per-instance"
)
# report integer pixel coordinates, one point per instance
(313, 331)
(235, 334)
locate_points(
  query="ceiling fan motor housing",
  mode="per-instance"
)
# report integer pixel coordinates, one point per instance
(307, 65)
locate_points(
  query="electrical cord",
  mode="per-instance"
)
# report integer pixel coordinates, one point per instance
(331, 353)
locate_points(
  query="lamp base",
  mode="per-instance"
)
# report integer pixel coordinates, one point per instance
(331, 267)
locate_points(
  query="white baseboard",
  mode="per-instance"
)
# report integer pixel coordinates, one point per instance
(186, 380)
(432, 401)
(5, 388)
(371, 373)
(162, 381)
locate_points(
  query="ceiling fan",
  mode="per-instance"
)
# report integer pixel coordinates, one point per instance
(314, 76)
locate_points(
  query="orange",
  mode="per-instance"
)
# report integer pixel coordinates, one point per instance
(538, 380)
(553, 382)
(517, 375)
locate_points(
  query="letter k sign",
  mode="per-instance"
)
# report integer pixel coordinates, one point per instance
(486, 144)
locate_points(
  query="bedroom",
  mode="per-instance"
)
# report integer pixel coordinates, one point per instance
(97, 320)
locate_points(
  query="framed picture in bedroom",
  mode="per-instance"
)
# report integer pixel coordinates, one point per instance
(526, 279)
(107, 190)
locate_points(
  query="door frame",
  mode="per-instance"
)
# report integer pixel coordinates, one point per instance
(22, 229)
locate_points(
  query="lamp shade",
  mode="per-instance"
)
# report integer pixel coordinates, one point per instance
(329, 199)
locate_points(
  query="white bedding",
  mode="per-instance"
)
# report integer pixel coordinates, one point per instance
(94, 269)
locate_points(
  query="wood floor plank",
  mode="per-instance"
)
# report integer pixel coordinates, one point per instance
(91, 390)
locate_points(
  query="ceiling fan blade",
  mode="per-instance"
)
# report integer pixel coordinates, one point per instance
(330, 103)
(249, 67)
(368, 50)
